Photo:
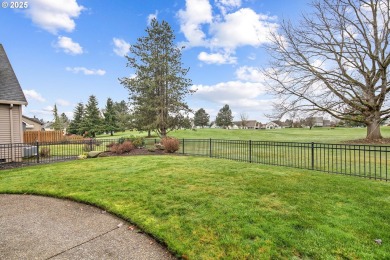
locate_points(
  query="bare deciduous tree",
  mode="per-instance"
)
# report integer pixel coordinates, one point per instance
(244, 119)
(336, 60)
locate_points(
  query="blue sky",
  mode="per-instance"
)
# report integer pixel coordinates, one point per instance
(63, 51)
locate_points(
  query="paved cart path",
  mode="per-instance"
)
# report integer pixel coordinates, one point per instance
(35, 227)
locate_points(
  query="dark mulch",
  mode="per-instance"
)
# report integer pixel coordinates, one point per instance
(383, 141)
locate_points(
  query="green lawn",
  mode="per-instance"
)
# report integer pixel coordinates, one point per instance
(325, 135)
(210, 208)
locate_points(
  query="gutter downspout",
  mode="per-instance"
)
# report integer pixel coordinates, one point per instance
(12, 131)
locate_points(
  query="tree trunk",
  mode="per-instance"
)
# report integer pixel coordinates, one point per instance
(149, 134)
(163, 132)
(112, 133)
(373, 130)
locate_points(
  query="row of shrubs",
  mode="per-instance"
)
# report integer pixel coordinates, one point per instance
(125, 145)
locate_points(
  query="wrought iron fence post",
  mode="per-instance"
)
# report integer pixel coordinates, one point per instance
(250, 151)
(183, 145)
(312, 155)
(210, 148)
(37, 152)
(90, 144)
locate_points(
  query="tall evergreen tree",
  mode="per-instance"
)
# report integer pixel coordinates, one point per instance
(92, 123)
(123, 115)
(75, 126)
(110, 119)
(158, 90)
(56, 121)
(224, 118)
(201, 118)
(64, 122)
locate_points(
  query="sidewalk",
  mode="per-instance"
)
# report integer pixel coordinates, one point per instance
(34, 227)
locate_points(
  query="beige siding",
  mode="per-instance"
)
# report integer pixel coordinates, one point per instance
(17, 120)
(37, 127)
(15, 153)
(5, 135)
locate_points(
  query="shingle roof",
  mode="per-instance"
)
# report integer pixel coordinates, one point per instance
(10, 90)
(36, 120)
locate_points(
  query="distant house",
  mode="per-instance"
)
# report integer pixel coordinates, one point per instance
(48, 126)
(318, 121)
(11, 101)
(327, 123)
(272, 125)
(249, 124)
(31, 124)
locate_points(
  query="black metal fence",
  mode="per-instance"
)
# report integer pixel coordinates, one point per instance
(23, 154)
(359, 160)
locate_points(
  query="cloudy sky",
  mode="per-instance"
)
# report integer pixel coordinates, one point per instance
(63, 51)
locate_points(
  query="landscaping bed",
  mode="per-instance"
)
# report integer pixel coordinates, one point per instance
(138, 151)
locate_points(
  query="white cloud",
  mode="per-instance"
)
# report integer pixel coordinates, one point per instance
(230, 91)
(251, 74)
(152, 16)
(86, 71)
(63, 102)
(243, 27)
(249, 97)
(48, 109)
(252, 56)
(56, 15)
(69, 46)
(197, 12)
(32, 94)
(226, 5)
(121, 47)
(217, 58)
(223, 32)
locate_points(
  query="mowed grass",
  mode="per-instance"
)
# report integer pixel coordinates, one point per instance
(212, 209)
(318, 134)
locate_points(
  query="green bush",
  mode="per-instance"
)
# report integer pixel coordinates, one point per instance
(123, 139)
(139, 142)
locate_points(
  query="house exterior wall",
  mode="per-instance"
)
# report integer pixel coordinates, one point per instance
(37, 127)
(5, 135)
(8, 153)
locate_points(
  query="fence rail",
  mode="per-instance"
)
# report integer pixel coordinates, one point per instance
(359, 160)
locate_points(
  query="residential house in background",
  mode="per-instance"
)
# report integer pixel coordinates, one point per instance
(249, 124)
(11, 101)
(48, 126)
(272, 125)
(318, 121)
(31, 124)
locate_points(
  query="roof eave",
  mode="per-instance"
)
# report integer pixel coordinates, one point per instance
(14, 102)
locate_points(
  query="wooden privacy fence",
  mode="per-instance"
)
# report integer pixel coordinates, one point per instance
(48, 136)
(42, 136)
